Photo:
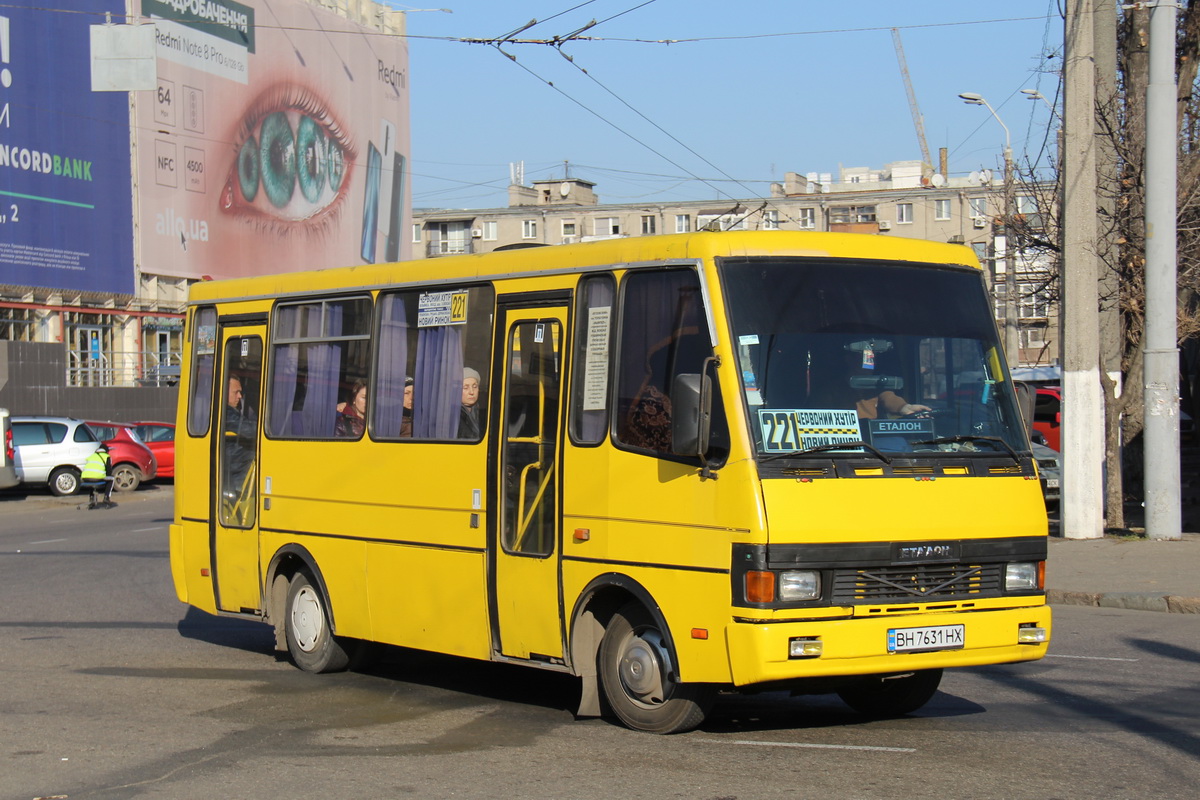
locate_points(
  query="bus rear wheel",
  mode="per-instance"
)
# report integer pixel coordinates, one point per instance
(892, 696)
(310, 641)
(639, 677)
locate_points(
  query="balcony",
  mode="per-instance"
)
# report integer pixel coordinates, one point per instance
(449, 247)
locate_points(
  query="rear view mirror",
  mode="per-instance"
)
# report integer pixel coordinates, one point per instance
(877, 382)
(691, 413)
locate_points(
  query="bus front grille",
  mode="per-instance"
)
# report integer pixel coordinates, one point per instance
(916, 582)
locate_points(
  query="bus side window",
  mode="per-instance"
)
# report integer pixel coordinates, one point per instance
(428, 340)
(593, 357)
(204, 354)
(321, 349)
(664, 333)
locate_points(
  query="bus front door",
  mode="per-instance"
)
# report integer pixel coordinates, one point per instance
(235, 566)
(526, 618)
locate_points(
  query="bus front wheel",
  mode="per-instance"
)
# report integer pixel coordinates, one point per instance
(310, 641)
(640, 680)
(892, 696)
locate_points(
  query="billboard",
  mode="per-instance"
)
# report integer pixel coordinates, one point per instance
(277, 140)
(65, 202)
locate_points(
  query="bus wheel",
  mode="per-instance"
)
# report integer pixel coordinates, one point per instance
(639, 678)
(311, 644)
(892, 696)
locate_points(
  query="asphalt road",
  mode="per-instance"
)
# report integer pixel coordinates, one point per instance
(113, 689)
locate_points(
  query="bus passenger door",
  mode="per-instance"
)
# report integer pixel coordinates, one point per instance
(235, 565)
(525, 487)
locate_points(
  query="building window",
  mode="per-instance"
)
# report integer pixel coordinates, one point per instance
(416, 232)
(608, 226)
(770, 220)
(529, 229)
(1032, 302)
(489, 230)
(979, 206)
(648, 225)
(808, 219)
(843, 215)
(683, 223)
(569, 228)
(904, 213)
(941, 209)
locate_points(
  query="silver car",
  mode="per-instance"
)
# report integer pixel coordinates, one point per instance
(52, 450)
(1049, 471)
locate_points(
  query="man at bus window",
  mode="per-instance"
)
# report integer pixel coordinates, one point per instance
(352, 420)
(470, 418)
(239, 437)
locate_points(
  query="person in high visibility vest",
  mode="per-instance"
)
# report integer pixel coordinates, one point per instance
(95, 471)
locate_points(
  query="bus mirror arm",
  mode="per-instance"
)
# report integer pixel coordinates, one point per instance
(691, 415)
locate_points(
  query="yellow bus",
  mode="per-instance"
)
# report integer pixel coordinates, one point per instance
(667, 465)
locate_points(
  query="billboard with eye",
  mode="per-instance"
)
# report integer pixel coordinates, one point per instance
(277, 140)
(65, 202)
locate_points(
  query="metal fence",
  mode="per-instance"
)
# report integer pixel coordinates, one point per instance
(117, 368)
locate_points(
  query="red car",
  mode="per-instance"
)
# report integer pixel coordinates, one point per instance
(131, 460)
(160, 438)
(1047, 415)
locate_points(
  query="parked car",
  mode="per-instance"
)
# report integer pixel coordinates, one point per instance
(8, 469)
(1047, 415)
(160, 438)
(132, 462)
(52, 450)
(1049, 472)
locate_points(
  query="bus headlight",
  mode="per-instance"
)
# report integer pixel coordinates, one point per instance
(799, 584)
(1022, 576)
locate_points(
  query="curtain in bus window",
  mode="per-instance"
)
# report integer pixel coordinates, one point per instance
(319, 414)
(393, 365)
(438, 383)
(283, 389)
(204, 358)
(283, 372)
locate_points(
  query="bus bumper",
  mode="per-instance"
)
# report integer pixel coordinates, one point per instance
(759, 651)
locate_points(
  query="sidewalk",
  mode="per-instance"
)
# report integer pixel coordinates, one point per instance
(1126, 572)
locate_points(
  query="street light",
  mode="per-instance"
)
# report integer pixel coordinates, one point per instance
(1034, 94)
(1012, 336)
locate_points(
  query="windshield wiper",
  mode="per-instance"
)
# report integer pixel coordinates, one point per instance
(959, 438)
(824, 448)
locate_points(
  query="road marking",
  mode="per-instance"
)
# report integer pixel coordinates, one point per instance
(1091, 658)
(48, 541)
(143, 530)
(809, 745)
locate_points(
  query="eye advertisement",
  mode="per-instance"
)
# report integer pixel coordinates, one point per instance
(276, 141)
(65, 203)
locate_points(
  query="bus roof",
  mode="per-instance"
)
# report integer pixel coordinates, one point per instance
(571, 257)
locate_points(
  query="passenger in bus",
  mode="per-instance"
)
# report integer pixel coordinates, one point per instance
(406, 414)
(239, 437)
(352, 421)
(470, 418)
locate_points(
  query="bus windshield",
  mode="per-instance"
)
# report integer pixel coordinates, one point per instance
(882, 356)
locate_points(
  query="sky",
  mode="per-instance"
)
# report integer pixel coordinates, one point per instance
(666, 100)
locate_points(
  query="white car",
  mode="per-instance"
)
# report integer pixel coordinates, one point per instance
(52, 450)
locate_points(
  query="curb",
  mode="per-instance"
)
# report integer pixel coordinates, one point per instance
(1136, 601)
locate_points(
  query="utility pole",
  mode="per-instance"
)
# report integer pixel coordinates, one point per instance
(1012, 330)
(1082, 410)
(1161, 353)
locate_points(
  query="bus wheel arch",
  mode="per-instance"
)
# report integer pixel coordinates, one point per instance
(290, 568)
(621, 648)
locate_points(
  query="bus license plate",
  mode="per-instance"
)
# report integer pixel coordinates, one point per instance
(934, 637)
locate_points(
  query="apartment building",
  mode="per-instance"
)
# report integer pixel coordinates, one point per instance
(898, 200)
